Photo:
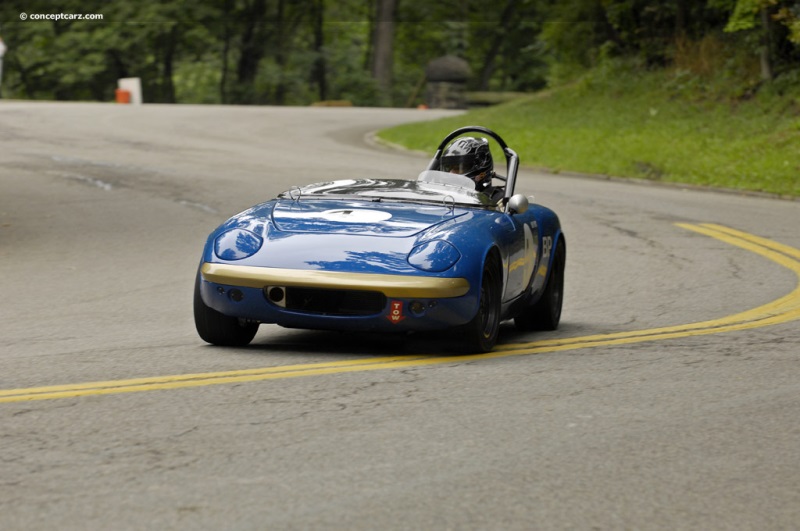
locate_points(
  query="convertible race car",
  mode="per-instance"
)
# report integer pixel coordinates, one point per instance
(439, 252)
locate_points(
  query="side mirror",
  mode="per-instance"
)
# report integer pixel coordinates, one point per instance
(517, 204)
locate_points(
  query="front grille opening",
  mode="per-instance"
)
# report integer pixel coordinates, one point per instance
(334, 302)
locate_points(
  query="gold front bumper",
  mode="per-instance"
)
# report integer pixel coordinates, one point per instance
(393, 286)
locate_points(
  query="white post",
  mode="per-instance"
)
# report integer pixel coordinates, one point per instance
(132, 85)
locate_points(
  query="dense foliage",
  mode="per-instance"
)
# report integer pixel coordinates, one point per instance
(374, 52)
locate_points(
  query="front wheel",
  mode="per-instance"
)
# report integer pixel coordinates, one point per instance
(546, 313)
(217, 328)
(480, 334)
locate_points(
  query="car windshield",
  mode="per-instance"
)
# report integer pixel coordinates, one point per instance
(431, 187)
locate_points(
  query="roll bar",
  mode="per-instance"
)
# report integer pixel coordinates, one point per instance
(512, 159)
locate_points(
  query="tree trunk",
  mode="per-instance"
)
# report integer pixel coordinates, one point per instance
(383, 49)
(226, 44)
(281, 55)
(252, 51)
(765, 53)
(680, 18)
(168, 86)
(490, 60)
(319, 73)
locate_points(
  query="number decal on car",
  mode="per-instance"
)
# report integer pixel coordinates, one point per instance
(547, 246)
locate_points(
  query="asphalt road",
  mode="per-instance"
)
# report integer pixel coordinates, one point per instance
(637, 419)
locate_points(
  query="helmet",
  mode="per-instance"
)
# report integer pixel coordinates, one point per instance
(471, 157)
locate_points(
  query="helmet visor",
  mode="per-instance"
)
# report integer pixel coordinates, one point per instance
(462, 165)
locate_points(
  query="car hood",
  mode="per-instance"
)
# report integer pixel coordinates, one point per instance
(366, 218)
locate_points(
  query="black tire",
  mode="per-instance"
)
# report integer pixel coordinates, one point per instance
(219, 329)
(480, 334)
(546, 313)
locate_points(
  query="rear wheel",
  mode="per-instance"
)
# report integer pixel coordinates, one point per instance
(546, 313)
(219, 329)
(481, 333)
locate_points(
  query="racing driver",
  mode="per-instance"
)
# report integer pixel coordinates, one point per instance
(470, 156)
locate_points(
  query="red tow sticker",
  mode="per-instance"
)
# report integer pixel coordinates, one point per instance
(396, 312)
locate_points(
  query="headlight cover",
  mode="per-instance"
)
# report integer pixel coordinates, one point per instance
(434, 256)
(236, 244)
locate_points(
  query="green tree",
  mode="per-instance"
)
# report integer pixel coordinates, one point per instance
(370, 52)
(82, 59)
(743, 17)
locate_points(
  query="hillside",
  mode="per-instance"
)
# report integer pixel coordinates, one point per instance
(658, 126)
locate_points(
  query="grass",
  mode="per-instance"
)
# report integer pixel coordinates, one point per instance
(653, 128)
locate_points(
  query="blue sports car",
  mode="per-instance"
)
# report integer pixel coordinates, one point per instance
(455, 248)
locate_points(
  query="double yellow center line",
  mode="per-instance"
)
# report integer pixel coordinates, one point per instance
(782, 310)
